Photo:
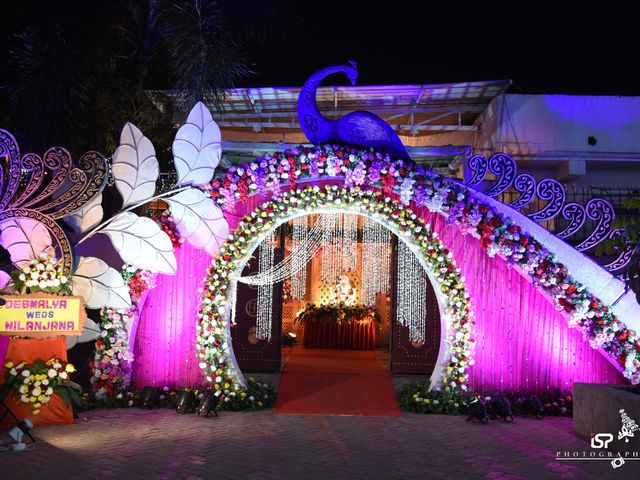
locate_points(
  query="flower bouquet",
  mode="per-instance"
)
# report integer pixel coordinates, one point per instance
(43, 273)
(35, 384)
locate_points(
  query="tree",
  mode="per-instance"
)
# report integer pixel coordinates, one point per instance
(77, 70)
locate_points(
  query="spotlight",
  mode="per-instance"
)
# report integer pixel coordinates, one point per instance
(500, 407)
(208, 404)
(17, 433)
(289, 340)
(533, 405)
(186, 401)
(150, 397)
(2, 302)
(478, 411)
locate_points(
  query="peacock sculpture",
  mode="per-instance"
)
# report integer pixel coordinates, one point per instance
(357, 128)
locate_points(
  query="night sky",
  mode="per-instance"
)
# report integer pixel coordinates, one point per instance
(584, 51)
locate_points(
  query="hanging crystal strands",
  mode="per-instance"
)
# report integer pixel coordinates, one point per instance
(411, 304)
(331, 255)
(376, 257)
(297, 259)
(299, 240)
(349, 251)
(265, 291)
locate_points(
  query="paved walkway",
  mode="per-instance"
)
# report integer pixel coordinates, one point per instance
(161, 444)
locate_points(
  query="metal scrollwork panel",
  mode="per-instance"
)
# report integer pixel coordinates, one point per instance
(575, 214)
(95, 168)
(600, 210)
(552, 191)
(58, 161)
(479, 165)
(10, 168)
(625, 256)
(505, 168)
(526, 185)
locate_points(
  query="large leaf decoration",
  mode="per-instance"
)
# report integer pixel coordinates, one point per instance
(135, 167)
(87, 217)
(24, 238)
(90, 332)
(100, 285)
(196, 148)
(199, 220)
(4, 279)
(141, 242)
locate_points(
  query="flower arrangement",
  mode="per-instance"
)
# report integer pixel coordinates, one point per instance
(35, 383)
(408, 182)
(139, 281)
(212, 342)
(421, 398)
(258, 396)
(43, 273)
(169, 227)
(111, 365)
(337, 314)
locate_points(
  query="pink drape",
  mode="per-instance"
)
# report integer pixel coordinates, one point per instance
(164, 352)
(522, 341)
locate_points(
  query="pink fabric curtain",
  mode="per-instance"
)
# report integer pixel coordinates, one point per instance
(164, 352)
(522, 341)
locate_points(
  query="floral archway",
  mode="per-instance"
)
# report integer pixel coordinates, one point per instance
(214, 318)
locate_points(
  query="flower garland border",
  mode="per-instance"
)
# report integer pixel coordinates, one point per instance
(213, 334)
(412, 183)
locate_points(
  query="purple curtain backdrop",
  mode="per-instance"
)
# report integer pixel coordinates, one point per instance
(522, 342)
(164, 352)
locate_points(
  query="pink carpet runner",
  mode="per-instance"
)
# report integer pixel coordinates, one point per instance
(335, 382)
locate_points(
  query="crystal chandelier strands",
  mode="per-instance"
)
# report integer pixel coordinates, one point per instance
(375, 260)
(264, 318)
(411, 305)
(299, 245)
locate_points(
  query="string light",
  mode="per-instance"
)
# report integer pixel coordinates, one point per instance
(296, 260)
(264, 318)
(300, 239)
(349, 242)
(411, 304)
(375, 260)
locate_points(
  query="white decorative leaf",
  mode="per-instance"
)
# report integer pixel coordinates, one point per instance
(87, 217)
(199, 220)
(196, 148)
(135, 167)
(142, 243)
(90, 332)
(100, 285)
(4, 279)
(24, 238)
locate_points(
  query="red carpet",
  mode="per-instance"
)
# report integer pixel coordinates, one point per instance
(335, 382)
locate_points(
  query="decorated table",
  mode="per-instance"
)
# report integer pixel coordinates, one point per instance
(340, 327)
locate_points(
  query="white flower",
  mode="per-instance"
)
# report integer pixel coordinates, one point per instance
(13, 372)
(26, 373)
(22, 277)
(64, 375)
(49, 391)
(63, 280)
(51, 373)
(43, 284)
(24, 399)
(36, 391)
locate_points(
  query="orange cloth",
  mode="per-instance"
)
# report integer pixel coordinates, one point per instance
(29, 350)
